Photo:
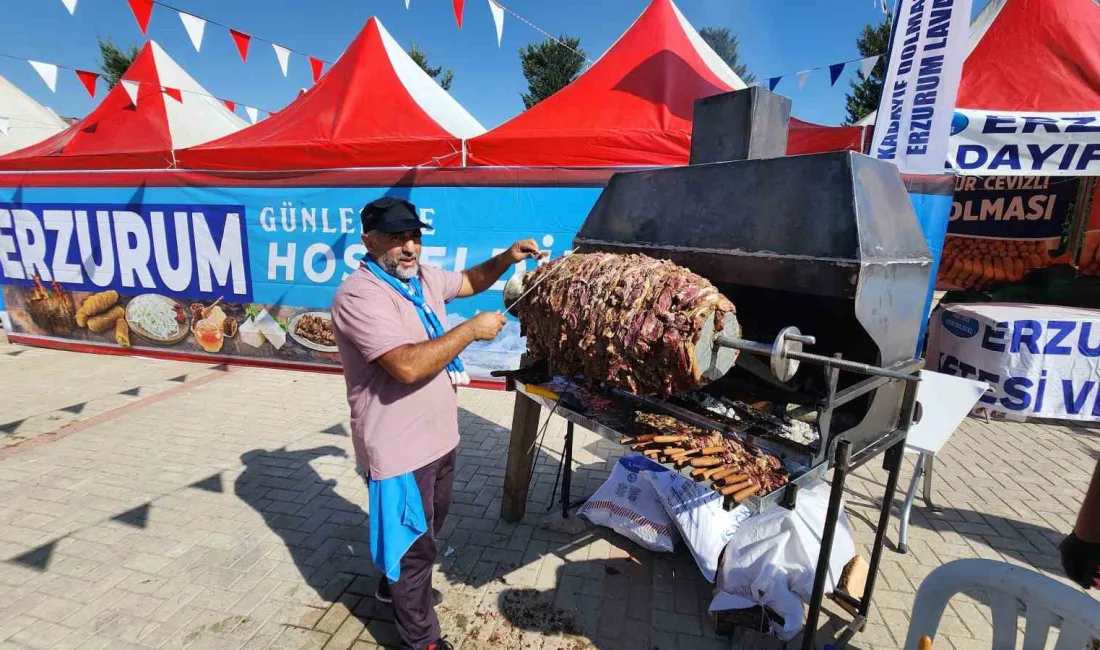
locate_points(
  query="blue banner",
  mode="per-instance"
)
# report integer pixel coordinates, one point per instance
(142, 267)
(283, 251)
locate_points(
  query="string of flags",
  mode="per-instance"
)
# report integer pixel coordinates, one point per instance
(49, 72)
(195, 26)
(866, 65)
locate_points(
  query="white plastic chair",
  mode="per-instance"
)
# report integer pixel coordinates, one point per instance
(944, 403)
(1046, 603)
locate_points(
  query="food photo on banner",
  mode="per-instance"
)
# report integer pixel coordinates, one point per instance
(244, 273)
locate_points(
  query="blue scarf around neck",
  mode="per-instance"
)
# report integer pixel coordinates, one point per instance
(413, 291)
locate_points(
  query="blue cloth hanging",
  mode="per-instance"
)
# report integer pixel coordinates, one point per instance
(396, 521)
(413, 291)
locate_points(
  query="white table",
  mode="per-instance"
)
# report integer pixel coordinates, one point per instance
(943, 402)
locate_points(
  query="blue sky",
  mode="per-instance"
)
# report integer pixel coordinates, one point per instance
(777, 37)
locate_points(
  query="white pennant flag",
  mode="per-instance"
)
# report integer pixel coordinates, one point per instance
(195, 27)
(131, 88)
(4, 125)
(867, 65)
(406, 4)
(498, 18)
(47, 71)
(70, 5)
(283, 55)
(253, 114)
(802, 77)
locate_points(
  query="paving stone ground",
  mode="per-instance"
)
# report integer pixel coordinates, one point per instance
(153, 504)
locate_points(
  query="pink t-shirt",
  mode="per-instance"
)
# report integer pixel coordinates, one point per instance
(396, 428)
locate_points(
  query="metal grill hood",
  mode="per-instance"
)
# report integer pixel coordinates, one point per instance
(838, 224)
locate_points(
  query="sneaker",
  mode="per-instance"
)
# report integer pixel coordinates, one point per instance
(383, 595)
(442, 644)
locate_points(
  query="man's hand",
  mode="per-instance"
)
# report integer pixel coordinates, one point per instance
(525, 249)
(486, 325)
(482, 276)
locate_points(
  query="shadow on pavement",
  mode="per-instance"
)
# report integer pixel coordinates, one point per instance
(325, 533)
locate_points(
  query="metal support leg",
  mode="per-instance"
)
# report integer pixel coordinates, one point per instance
(567, 471)
(928, 465)
(836, 495)
(892, 464)
(907, 506)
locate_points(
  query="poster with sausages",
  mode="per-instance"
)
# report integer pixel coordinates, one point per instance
(1003, 227)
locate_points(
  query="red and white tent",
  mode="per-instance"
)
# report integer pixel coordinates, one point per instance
(634, 105)
(168, 110)
(1032, 55)
(24, 121)
(374, 108)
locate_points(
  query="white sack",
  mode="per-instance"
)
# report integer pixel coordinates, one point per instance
(771, 559)
(699, 516)
(627, 504)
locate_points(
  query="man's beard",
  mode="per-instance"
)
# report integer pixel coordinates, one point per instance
(403, 273)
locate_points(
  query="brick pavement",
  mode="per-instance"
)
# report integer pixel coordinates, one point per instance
(152, 504)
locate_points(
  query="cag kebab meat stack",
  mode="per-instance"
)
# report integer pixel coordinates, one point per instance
(736, 470)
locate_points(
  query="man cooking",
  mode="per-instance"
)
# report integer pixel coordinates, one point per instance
(402, 368)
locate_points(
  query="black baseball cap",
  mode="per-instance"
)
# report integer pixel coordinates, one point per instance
(389, 215)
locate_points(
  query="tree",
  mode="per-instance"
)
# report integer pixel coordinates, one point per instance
(867, 90)
(114, 62)
(725, 45)
(421, 58)
(550, 66)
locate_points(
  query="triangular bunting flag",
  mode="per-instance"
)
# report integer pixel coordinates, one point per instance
(143, 10)
(773, 82)
(241, 40)
(867, 65)
(498, 18)
(802, 77)
(195, 27)
(131, 88)
(174, 93)
(459, 4)
(88, 79)
(835, 70)
(70, 5)
(47, 71)
(283, 55)
(4, 125)
(232, 106)
(318, 66)
(406, 4)
(253, 114)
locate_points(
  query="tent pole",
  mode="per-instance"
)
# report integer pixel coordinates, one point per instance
(463, 153)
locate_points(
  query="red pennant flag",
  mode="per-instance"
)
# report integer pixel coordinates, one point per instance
(142, 9)
(242, 40)
(318, 67)
(88, 79)
(230, 105)
(174, 93)
(458, 11)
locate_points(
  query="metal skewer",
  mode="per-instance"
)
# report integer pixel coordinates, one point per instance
(516, 282)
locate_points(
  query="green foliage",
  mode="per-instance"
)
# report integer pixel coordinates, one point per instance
(866, 92)
(725, 45)
(550, 66)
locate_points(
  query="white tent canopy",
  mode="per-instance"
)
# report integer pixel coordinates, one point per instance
(27, 121)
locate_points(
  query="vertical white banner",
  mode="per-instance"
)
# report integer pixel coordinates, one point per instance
(922, 82)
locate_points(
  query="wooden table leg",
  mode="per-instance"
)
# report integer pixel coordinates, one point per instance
(521, 453)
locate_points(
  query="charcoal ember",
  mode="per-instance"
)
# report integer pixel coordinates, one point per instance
(630, 321)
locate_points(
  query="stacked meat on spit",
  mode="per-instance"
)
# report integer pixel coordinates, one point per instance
(629, 320)
(735, 469)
